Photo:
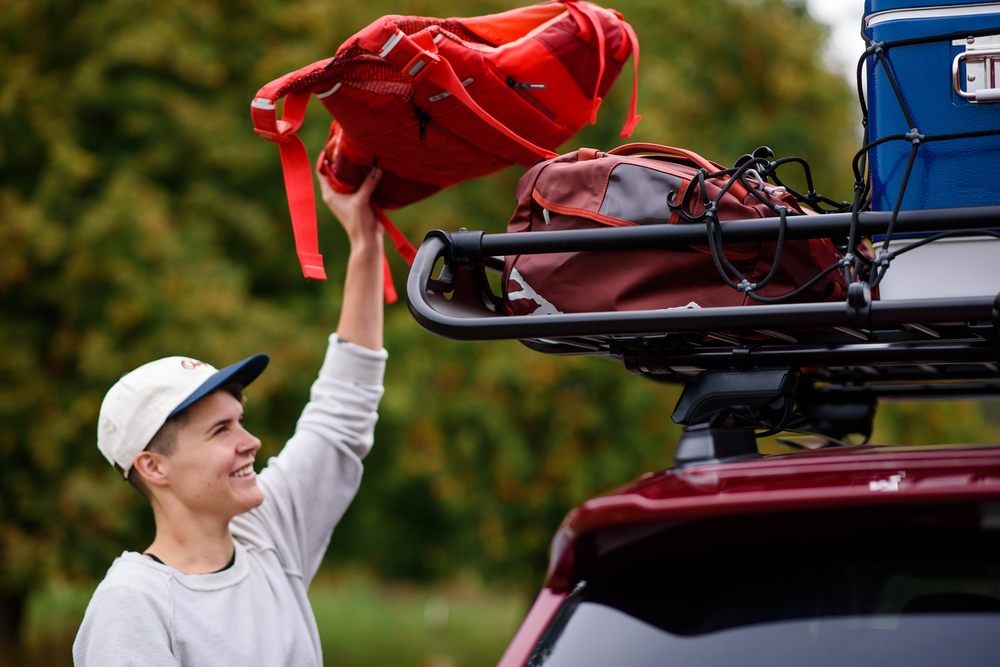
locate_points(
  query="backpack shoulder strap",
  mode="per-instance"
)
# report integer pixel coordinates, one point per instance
(295, 162)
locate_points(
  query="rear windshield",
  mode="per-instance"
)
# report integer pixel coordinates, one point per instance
(904, 587)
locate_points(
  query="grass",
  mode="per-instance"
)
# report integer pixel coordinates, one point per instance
(362, 622)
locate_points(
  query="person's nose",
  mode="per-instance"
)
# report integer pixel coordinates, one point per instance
(249, 443)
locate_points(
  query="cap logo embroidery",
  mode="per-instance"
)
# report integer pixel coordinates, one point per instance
(191, 364)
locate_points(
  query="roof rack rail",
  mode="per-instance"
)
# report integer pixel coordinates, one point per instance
(460, 305)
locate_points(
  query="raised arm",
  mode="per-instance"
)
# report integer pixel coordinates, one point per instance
(309, 485)
(361, 313)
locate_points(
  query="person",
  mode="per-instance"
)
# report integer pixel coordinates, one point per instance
(225, 580)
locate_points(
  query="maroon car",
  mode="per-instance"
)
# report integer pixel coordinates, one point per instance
(850, 556)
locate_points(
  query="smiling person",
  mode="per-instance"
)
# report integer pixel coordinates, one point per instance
(224, 582)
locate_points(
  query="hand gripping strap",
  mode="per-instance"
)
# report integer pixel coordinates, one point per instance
(403, 246)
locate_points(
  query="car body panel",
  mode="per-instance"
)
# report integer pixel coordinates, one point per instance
(841, 477)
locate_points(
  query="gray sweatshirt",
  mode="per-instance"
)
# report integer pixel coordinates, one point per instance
(256, 612)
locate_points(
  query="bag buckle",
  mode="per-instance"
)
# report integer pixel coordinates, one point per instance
(417, 67)
(272, 136)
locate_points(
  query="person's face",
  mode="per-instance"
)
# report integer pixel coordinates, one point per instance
(211, 470)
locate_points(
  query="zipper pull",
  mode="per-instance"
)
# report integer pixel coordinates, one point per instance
(423, 118)
(518, 84)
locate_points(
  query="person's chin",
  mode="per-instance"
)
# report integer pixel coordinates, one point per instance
(251, 499)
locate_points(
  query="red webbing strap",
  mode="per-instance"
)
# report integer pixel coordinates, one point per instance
(443, 75)
(403, 247)
(297, 172)
(633, 118)
(302, 207)
(579, 11)
(387, 287)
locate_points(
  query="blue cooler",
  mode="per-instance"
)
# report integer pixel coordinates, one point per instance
(948, 86)
(957, 172)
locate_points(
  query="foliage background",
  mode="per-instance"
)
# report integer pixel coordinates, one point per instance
(141, 217)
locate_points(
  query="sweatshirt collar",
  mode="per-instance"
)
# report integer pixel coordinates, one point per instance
(212, 581)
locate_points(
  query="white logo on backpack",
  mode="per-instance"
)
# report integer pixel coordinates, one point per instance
(526, 292)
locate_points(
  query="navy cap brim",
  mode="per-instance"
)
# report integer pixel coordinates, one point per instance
(244, 372)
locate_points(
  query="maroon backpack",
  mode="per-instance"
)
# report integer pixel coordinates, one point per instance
(588, 189)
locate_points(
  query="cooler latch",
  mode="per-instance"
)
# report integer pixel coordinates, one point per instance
(982, 59)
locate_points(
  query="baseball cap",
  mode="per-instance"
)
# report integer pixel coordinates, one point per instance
(140, 402)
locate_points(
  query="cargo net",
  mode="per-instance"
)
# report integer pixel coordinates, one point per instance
(871, 271)
(755, 172)
(363, 69)
(862, 269)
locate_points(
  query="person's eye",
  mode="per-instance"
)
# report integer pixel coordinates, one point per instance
(218, 431)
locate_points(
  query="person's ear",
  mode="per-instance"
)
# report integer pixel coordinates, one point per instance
(150, 466)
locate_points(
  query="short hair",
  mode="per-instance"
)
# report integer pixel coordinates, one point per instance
(165, 440)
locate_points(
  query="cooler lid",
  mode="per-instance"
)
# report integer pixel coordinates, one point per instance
(872, 6)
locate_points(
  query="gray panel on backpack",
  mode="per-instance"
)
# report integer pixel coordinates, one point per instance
(639, 195)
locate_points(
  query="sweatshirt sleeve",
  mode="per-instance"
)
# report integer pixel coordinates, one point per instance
(310, 484)
(124, 627)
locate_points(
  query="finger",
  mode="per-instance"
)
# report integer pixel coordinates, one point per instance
(324, 185)
(368, 185)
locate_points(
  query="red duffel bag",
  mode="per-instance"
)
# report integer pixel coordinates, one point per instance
(640, 184)
(438, 101)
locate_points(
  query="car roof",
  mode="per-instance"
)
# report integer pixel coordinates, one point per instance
(838, 477)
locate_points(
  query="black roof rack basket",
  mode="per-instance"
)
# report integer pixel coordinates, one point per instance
(924, 346)
(816, 368)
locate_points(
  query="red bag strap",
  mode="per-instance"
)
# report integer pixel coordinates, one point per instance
(581, 11)
(396, 48)
(633, 118)
(584, 10)
(403, 245)
(632, 149)
(297, 171)
(387, 287)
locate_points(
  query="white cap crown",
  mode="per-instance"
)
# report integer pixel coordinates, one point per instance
(140, 402)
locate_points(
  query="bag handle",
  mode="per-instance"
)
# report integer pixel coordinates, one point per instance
(632, 149)
(579, 12)
(584, 10)
(633, 118)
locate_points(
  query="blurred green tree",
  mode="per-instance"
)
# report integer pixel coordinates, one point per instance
(141, 217)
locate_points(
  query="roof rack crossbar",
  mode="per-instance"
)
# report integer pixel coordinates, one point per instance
(735, 231)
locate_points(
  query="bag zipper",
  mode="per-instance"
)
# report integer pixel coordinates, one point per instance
(522, 90)
(423, 119)
(517, 84)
